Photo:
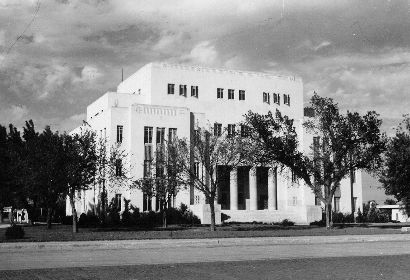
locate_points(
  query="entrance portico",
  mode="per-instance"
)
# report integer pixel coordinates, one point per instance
(249, 188)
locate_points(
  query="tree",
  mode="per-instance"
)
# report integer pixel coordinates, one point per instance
(163, 176)
(44, 174)
(200, 158)
(343, 143)
(395, 172)
(80, 166)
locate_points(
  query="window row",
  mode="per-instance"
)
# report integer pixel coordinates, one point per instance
(183, 90)
(160, 134)
(231, 129)
(231, 94)
(276, 98)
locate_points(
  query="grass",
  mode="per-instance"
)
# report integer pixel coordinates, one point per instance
(39, 233)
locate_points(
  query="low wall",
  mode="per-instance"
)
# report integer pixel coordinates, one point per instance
(203, 212)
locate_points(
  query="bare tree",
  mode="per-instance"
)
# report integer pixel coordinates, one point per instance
(208, 150)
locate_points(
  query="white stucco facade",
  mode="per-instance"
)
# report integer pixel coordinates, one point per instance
(144, 100)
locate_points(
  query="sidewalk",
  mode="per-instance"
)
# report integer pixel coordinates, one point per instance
(217, 242)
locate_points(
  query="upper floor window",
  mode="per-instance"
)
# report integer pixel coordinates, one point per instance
(196, 169)
(231, 129)
(118, 201)
(286, 99)
(194, 91)
(171, 88)
(219, 93)
(266, 97)
(182, 90)
(231, 94)
(217, 129)
(160, 135)
(276, 98)
(241, 95)
(172, 134)
(120, 129)
(147, 135)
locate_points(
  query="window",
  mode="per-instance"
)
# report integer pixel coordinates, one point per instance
(220, 93)
(147, 168)
(172, 134)
(266, 97)
(147, 135)
(148, 152)
(231, 129)
(160, 135)
(231, 94)
(118, 201)
(197, 199)
(276, 98)
(119, 133)
(353, 176)
(171, 88)
(118, 167)
(217, 129)
(337, 204)
(147, 203)
(244, 130)
(286, 99)
(182, 90)
(196, 169)
(241, 95)
(317, 201)
(194, 91)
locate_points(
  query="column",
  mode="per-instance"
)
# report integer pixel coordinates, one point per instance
(253, 191)
(233, 189)
(272, 189)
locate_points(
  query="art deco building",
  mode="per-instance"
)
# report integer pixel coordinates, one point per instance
(161, 100)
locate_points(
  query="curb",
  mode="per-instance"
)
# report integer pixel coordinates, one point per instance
(214, 242)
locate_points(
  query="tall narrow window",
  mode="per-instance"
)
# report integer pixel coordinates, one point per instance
(194, 91)
(220, 93)
(171, 88)
(172, 134)
(182, 90)
(160, 135)
(217, 129)
(275, 98)
(118, 167)
(231, 94)
(147, 135)
(241, 95)
(231, 129)
(119, 133)
(266, 97)
(286, 99)
(354, 204)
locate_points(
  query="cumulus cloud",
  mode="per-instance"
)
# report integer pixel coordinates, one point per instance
(15, 114)
(203, 53)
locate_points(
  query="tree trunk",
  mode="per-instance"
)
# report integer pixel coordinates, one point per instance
(212, 206)
(49, 213)
(328, 211)
(164, 218)
(74, 214)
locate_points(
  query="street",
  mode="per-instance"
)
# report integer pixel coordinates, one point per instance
(253, 256)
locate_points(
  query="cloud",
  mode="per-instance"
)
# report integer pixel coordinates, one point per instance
(204, 53)
(15, 114)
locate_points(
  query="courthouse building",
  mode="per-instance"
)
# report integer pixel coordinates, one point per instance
(161, 100)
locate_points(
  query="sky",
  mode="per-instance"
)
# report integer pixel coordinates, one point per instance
(58, 56)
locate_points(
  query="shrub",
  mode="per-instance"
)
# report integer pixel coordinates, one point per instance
(287, 223)
(67, 220)
(88, 220)
(15, 232)
(340, 218)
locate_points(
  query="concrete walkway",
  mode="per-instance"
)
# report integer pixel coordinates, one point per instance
(27, 255)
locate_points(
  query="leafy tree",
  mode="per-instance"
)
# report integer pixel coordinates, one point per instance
(45, 175)
(395, 173)
(208, 150)
(343, 143)
(80, 166)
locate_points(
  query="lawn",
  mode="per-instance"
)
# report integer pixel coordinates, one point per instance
(63, 232)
